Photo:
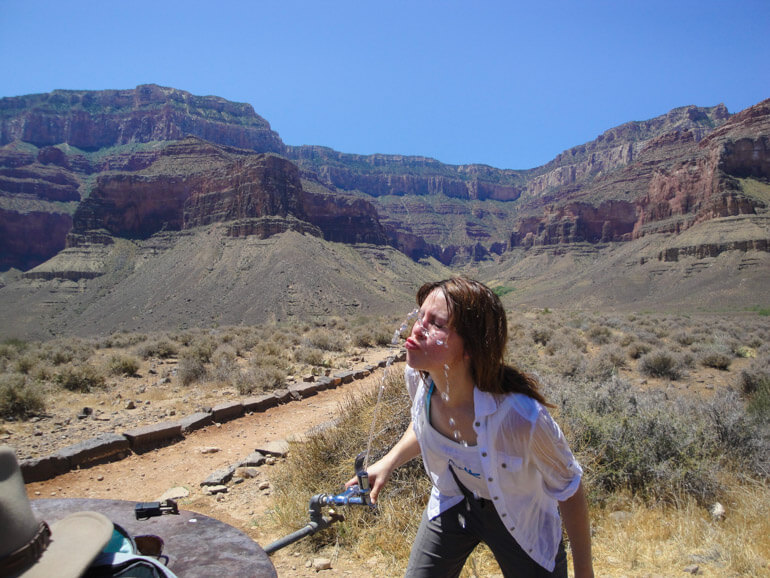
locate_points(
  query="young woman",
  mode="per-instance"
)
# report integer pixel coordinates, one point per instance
(500, 466)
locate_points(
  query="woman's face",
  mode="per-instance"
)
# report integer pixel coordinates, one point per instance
(434, 346)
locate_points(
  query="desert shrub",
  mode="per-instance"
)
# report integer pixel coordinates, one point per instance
(268, 377)
(309, 355)
(570, 364)
(123, 365)
(267, 360)
(190, 369)
(757, 373)
(224, 362)
(244, 382)
(60, 352)
(25, 363)
(660, 363)
(657, 448)
(19, 398)
(599, 334)
(758, 403)
(716, 359)
(606, 363)
(684, 337)
(80, 378)
(371, 337)
(638, 348)
(160, 348)
(202, 348)
(326, 339)
(541, 335)
(122, 340)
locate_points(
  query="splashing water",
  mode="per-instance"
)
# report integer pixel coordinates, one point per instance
(394, 341)
(404, 326)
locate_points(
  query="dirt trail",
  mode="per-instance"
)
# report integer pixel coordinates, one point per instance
(145, 477)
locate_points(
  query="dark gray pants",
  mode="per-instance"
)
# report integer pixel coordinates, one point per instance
(443, 544)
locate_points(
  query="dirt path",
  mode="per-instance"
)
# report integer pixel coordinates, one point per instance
(145, 477)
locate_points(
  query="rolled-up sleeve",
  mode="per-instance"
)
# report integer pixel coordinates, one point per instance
(553, 458)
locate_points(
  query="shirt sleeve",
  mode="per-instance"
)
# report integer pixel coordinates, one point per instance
(553, 458)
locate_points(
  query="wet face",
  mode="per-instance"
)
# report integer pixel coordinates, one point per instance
(434, 346)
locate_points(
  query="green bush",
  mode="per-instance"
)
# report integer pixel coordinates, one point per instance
(80, 378)
(19, 398)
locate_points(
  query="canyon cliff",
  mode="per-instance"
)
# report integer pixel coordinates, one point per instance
(79, 165)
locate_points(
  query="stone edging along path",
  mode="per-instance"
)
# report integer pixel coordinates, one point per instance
(114, 446)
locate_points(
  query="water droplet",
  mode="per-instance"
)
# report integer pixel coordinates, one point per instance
(451, 422)
(439, 342)
(457, 435)
(475, 495)
(444, 396)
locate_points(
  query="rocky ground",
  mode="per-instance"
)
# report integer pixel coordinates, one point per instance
(147, 477)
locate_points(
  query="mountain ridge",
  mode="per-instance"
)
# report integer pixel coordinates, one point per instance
(72, 218)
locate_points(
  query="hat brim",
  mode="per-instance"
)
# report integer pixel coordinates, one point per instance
(75, 541)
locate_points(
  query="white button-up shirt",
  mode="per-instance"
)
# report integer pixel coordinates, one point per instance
(526, 463)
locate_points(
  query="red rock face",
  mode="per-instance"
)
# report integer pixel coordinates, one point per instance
(91, 120)
(28, 239)
(263, 185)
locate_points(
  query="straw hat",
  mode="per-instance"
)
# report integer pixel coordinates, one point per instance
(32, 549)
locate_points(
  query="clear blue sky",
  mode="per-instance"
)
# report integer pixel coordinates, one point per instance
(505, 83)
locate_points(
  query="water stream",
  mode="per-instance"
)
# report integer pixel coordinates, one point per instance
(397, 334)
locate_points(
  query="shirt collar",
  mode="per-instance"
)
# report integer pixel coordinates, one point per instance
(484, 403)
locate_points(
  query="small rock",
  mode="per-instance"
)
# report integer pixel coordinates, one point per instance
(247, 473)
(176, 493)
(264, 486)
(717, 512)
(211, 490)
(130, 404)
(210, 450)
(692, 569)
(322, 564)
(620, 516)
(100, 478)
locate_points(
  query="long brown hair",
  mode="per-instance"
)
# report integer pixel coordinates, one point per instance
(478, 316)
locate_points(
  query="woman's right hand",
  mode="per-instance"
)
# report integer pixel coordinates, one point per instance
(379, 474)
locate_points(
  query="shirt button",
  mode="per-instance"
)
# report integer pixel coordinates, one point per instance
(504, 465)
(483, 454)
(490, 479)
(478, 423)
(503, 515)
(496, 498)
